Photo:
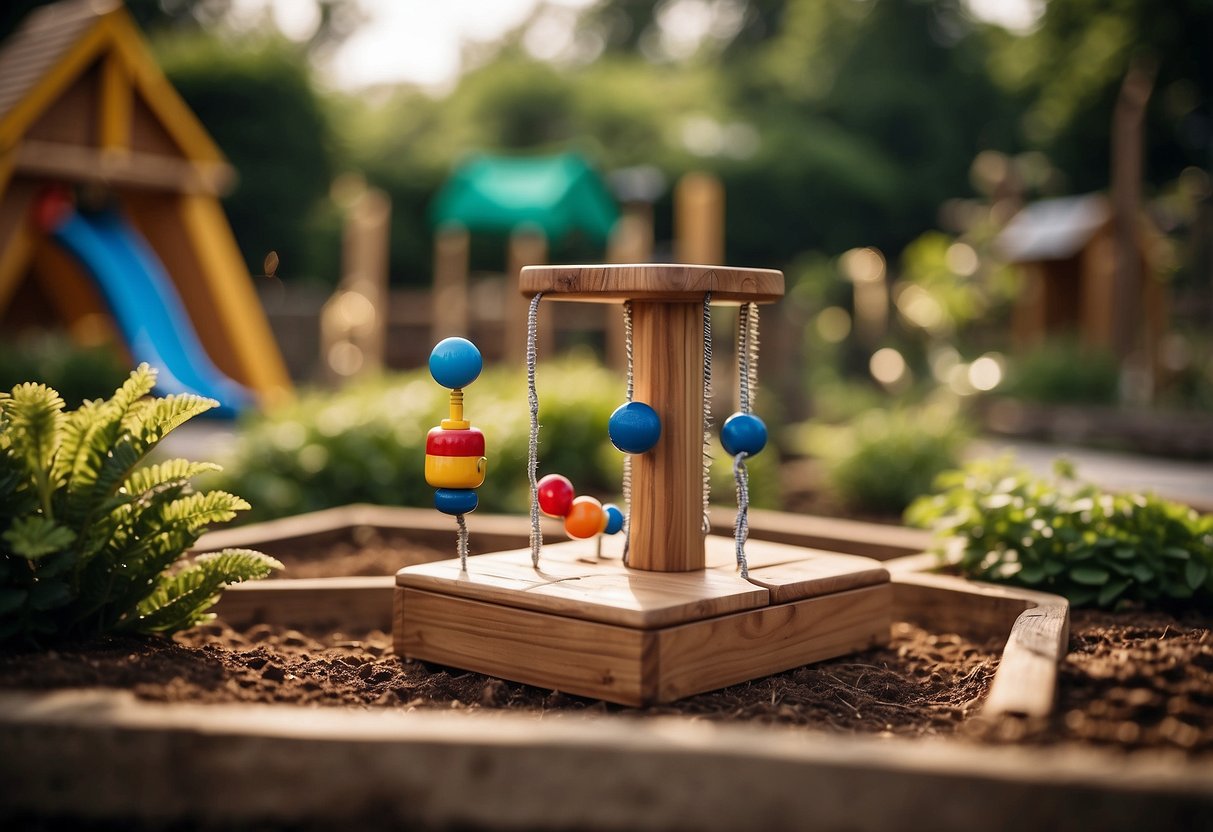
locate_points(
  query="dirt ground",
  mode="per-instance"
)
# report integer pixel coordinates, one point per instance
(1132, 679)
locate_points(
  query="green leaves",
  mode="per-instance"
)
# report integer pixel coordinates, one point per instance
(86, 534)
(36, 536)
(1069, 537)
(182, 599)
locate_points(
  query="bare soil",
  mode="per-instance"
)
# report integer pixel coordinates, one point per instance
(1132, 679)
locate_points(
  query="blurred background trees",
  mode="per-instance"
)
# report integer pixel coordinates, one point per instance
(860, 142)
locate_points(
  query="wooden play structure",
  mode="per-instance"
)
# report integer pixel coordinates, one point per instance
(86, 114)
(681, 612)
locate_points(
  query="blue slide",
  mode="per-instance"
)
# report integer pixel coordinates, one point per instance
(147, 307)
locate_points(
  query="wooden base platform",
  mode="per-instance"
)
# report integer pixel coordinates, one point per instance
(592, 627)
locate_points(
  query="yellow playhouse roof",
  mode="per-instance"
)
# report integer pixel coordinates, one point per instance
(45, 60)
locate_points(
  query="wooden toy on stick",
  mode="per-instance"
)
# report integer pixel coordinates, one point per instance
(678, 611)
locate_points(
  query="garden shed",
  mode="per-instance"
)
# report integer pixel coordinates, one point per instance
(1066, 251)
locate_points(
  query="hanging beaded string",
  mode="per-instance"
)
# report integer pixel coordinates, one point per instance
(463, 542)
(532, 330)
(627, 460)
(743, 441)
(707, 409)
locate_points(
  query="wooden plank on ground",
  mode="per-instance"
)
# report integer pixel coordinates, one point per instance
(1026, 681)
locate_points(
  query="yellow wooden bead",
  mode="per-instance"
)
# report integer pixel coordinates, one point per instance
(455, 471)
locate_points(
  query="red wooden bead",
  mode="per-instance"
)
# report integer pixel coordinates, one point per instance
(555, 495)
(585, 518)
(469, 442)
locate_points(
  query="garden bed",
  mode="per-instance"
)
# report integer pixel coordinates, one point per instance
(1134, 724)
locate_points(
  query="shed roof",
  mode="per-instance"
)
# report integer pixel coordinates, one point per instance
(1053, 229)
(557, 194)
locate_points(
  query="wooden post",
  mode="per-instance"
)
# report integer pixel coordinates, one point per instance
(699, 219)
(450, 296)
(631, 242)
(528, 247)
(667, 482)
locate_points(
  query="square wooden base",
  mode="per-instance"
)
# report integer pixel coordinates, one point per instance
(592, 627)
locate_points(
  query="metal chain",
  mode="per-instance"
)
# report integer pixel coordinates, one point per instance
(532, 329)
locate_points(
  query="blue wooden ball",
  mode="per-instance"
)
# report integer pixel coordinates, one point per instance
(614, 518)
(455, 500)
(743, 433)
(455, 362)
(634, 427)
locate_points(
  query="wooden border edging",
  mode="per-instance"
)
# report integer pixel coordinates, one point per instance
(1037, 624)
(257, 764)
(495, 532)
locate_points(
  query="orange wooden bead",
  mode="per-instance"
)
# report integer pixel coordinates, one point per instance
(585, 518)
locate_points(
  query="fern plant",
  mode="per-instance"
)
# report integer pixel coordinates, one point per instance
(90, 539)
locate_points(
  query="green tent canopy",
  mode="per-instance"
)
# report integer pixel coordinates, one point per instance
(557, 194)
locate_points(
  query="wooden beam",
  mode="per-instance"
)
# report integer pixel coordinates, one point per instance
(236, 302)
(116, 106)
(16, 254)
(176, 117)
(136, 170)
(257, 766)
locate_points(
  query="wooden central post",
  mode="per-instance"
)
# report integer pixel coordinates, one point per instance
(667, 482)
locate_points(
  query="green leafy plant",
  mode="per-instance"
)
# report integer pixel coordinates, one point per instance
(882, 459)
(1000, 523)
(89, 539)
(1063, 371)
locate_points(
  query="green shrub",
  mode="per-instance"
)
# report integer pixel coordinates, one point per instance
(1000, 523)
(77, 373)
(881, 460)
(1064, 372)
(87, 536)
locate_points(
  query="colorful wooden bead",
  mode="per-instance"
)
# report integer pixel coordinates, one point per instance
(555, 494)
(743, 433)
(585, 518)
(455, 362)
(634, 427)
(614, 519)
(455, 500)
(455, 458)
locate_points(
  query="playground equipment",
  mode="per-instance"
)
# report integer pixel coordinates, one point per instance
(668, 611)
(84, 107)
